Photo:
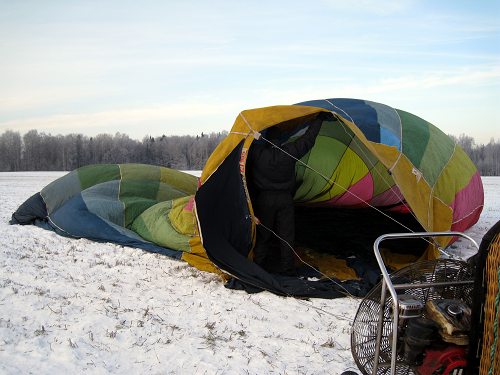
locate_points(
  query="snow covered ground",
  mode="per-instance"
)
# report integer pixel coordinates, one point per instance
(75, 306)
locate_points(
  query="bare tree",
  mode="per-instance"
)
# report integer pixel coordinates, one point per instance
(10, 151)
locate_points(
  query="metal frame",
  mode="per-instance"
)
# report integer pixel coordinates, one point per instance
(387, 284)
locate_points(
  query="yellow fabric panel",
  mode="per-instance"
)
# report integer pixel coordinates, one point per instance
(388, 155)
(219, 155)
(458, 164)
(182, 220)
(397, 261)
(286, 117)
(417, 192)
(184, 181)
(328, 265)
(442, 217)
(432, 213)
(432, 251)
(198, 258)
(343, 181)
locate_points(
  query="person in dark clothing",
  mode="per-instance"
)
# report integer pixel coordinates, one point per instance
(273, 177)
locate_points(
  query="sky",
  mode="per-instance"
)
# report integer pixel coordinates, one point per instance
(169, 67)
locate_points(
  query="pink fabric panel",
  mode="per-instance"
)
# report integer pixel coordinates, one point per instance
(468, 204)
(362, 189)
(190, 205)
(388, 198)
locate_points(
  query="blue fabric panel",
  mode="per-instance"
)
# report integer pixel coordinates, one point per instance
(127, 232)
(60, 190)
(73, 219)
(390, 139)
(357, 111)
(32, 209)
(389, 121)
(102, 200)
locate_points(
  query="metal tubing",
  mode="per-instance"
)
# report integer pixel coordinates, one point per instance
(387, 283)
(379, 327)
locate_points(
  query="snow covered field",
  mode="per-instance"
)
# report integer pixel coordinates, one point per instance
(75, 306)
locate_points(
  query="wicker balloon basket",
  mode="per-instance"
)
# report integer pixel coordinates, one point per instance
(491, 335)
(484, 348)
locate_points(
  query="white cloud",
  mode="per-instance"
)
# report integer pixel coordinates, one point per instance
(130, 120)
(461, 79)
(464, 77)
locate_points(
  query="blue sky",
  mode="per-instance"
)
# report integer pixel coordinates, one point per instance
(187, 67)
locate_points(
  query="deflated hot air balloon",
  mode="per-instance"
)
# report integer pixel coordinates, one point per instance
(373, 170)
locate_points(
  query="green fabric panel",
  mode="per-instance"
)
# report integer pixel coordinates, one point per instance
(168, 192)
(61, 190)
(138, 195)
(140, 227)
(95, 174)
(336, 130)
(300, 168)
(156, 227)
(139, 187)
(416, 135)
(382, 180)
(343, 181)
(439, 152)
(140, 171)
(183, 181)
(362, 151)
(461, 165)
(135, 207)
(329, 129)
(460, 170)
(313, 183)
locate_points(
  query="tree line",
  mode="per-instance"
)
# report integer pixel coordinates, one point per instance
(36, 151)
(485, 157)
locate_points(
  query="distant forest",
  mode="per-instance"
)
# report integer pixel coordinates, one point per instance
(36, 151)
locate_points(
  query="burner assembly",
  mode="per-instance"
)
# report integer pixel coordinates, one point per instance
(416, 321)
